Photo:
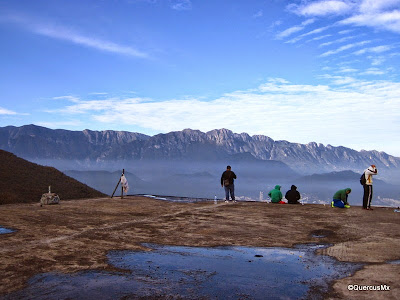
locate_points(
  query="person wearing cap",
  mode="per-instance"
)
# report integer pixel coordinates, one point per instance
(368, 173)
(340, 198)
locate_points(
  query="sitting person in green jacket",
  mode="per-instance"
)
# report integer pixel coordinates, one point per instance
(340, 198)
(276, 195)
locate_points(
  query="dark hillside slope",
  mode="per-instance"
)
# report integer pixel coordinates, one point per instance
(22, 181)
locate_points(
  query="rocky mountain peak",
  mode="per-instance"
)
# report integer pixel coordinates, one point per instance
(220, 135)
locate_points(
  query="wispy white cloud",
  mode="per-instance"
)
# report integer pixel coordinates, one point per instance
(319, 37)
(181, 4)
(338, 41)
(99, 93)
(289, 31)
(322, 8)
(4, 111)
(345, 47)
(373, 71)
(314, 110)
(68, 98)
(368, 6)
(62, 33)
(344, 18)
(76, 38)
(326, 68)
(339, 80)
(383, 20)
(258, 14)
(347, 70)
(315, 31)
(275, 24)
(377, 49)
(283, 86)
(377, 61)
(379, 15)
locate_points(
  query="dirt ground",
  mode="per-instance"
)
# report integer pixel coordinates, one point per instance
(76, 235)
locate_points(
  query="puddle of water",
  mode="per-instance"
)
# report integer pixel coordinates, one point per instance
(238, 198)
(193, 200)
(192, 273)
(394, 262)
(321, 233)
(177, 199)
(6, 230)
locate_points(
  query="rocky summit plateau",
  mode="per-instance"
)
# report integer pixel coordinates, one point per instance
(66, 251)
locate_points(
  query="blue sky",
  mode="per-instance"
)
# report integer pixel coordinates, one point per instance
(302, 71)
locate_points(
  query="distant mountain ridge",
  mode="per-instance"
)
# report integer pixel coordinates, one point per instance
(35, 142)
(346, 175)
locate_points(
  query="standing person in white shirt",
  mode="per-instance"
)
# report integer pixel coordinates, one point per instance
(368, 173)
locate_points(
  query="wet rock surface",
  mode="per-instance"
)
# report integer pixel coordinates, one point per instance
(76, 236)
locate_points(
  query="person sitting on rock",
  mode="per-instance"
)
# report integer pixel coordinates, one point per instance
(340, 198)
(276, 195)
(293, 195)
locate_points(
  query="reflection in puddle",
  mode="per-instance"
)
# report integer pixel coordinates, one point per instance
(305, 200)
(318, 236)
(322, 233)
(194, 200)
(176, 198)
(6, 230)
(192, 273)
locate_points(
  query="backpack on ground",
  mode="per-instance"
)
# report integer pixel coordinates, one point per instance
(363, 181)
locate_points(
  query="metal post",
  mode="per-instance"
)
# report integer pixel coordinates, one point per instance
(116, 187)
(122, 188)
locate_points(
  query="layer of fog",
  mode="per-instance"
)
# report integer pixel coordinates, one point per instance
(201, 179)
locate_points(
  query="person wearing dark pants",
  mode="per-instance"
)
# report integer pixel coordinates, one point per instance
(368, 173)
(367, 196)
(227, 181)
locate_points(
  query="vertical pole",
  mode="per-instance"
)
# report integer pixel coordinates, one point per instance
(116, 186)
(122, 188)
